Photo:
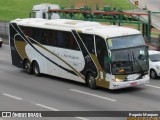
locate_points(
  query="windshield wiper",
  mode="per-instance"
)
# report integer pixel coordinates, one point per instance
(142, 72)
(130, 60)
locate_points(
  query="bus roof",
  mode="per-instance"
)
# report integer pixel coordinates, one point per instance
(106, 31)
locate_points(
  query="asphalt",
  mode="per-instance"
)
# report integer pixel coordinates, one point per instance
(5, 41)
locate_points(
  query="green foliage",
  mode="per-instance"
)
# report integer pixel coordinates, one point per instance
(12, 9)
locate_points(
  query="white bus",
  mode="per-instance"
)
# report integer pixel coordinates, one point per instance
(112, 57)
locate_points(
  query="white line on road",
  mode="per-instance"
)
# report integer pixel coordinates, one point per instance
(81, 118)
(106, 98)
(152, 86)
(11, 96)
(47, 107)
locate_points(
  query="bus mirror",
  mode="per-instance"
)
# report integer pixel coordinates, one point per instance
(109, 59)
(109, 52)
(109, 56)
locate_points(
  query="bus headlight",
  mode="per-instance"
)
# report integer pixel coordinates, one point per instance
(118, 80)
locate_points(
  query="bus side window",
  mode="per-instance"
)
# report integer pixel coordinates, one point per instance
(27, 31)
(72, 43)
(88, 40)
(52, 38)
(36, 34)
(66, 39)
(44, 37)
(102, 53)
(60, 39)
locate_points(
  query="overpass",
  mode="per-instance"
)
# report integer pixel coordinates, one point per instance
(154, 7)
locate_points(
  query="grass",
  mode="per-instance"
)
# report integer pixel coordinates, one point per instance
(12, 9)
(121, 4)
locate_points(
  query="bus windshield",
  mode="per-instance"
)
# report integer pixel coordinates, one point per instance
(129, 55)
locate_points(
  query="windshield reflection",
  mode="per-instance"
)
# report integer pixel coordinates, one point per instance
(128, 61)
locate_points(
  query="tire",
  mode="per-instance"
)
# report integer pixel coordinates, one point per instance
(36, 69)
(91, 82)
(27, 67)
(0, 45)
(153, 74)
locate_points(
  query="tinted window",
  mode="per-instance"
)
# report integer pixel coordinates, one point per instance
(125, 41)
(51, 37)
(88, 40)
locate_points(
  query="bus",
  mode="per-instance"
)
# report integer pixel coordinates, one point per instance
(100, 55)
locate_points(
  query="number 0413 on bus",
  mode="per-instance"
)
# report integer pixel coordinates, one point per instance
(112, 57)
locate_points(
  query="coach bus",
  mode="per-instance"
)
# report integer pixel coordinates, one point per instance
(110, 56)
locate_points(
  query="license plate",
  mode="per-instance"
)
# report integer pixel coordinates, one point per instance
(133, 84)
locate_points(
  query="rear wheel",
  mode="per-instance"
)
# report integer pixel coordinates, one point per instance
(91, 81)
(153, 74)
(27, 67)
(36, 69)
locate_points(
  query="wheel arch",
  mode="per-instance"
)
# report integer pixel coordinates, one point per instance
(151, 70)
(35, 60)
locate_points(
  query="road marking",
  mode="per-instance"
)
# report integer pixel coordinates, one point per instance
(105, 98)
(152, 86)
(47, 107)
(81, 118)
(11, 96)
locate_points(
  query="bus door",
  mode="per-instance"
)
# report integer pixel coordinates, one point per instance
(102, 56)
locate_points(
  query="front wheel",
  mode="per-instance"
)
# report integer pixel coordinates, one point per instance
(36, 69)
(153, 74)
(91, 81)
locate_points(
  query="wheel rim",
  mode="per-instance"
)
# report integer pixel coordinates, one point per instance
(153, 74)
(27, 66)
(91, 81)
(36, 69)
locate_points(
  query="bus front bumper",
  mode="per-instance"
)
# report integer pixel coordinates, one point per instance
(125, 84)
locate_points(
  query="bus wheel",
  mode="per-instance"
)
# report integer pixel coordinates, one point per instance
(153, 74)
(36, 69)
(27, 67)
(91, 81)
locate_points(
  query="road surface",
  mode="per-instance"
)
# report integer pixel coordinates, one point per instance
(20, 91)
